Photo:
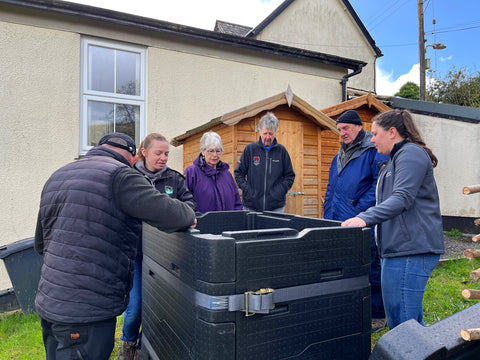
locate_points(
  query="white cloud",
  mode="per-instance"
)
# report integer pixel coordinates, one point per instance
(448, 58)
(387, 85)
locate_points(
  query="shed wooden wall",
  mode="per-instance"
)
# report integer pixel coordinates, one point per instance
(311, 148)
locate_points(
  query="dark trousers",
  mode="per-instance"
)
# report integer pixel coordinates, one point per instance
(79, 341)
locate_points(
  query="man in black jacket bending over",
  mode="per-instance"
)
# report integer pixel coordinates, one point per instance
(90, 220)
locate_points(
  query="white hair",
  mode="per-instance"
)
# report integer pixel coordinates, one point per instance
(268, 121)
(210, 140)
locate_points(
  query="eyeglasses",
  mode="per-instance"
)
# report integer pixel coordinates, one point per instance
(214, 151)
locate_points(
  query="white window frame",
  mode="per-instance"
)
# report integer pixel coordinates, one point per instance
(87, 95)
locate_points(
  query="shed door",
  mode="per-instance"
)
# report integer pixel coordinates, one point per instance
(302, 140)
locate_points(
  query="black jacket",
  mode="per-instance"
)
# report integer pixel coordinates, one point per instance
(264, 177)
(89, 222)
(169, 182)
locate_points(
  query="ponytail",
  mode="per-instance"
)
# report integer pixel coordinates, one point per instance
(402, 120)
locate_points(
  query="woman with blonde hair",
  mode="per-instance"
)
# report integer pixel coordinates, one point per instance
(409, 231)
(152, 163)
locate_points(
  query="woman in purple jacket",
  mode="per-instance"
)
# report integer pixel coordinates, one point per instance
(209, 180)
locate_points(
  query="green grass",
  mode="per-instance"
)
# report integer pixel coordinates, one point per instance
(443, 296)
(21, 335)
(453, 233)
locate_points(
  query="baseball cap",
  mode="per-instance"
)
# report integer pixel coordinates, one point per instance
(119, 140)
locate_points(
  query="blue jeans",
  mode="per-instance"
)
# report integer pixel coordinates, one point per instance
(132, 317)
(404, 280)
(378, 312)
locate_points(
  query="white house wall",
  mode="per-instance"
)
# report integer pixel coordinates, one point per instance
(325, 26)
(456, 145)
(186, 91)
(40, 110)
(189, 83)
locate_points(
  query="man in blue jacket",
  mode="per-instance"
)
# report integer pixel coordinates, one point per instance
(351, 190)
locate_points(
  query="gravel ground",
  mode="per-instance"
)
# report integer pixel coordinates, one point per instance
(455, 246)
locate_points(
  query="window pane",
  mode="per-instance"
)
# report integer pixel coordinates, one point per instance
(101, 69)
(127, 118)
(128, 73)
(100, 121)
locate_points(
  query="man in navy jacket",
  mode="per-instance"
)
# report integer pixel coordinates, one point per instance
(89, 222)
(351, 190)
(264, 172)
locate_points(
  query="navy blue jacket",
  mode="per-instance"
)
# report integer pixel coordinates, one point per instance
(408, 209)
(264, 177)
(89, 222)
(351, 187)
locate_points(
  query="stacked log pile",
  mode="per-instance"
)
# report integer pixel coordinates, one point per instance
(470, 254)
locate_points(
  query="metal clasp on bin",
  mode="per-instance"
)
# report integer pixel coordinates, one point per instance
(262, 291)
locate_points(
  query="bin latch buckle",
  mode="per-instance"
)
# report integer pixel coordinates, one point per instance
(263, 291)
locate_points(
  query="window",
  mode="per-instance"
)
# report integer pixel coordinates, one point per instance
(113, 87)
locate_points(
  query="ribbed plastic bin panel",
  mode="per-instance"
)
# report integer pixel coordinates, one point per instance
(320, 268)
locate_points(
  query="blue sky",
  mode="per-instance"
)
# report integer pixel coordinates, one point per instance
(393, 24)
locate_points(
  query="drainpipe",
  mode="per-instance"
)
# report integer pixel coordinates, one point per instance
(344, 81)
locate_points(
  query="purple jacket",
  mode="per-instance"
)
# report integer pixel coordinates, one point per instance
(212, 189)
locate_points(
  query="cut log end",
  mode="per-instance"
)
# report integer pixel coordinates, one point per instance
(467, 190)
(475, 275)
(471, 294)
(470, 334)
(471, 254)
(476, 238)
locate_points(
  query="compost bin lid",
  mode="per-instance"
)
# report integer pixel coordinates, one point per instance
(16, 246)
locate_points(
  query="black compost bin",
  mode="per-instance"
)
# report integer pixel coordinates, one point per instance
(23, 265)
(248, 285)
(439, 341)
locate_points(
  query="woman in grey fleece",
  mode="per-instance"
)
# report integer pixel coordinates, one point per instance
(409, 230)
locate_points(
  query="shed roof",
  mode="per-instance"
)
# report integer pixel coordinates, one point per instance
(285, 98)
(368, 99)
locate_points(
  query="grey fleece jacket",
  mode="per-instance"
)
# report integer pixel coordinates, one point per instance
(408, 210)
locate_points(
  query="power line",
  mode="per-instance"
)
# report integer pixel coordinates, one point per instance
(426, 6)
(453, 27)
(467, 28)
(392, 10)
(374, 16)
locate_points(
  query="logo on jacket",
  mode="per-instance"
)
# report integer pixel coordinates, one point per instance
(256, 160)
(168, 190)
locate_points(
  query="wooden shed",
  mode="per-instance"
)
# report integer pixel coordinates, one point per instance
(310, 137)
(367, 107)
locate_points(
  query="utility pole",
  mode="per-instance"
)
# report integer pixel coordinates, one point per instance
(421, 49)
